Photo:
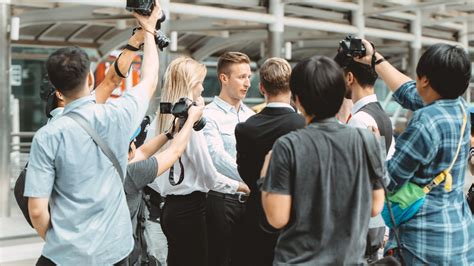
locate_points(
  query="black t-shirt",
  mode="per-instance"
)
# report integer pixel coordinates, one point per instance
(325, 169)
(139, 175)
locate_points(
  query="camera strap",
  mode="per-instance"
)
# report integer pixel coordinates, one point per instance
(117, 69)
(171, 175)
(373, 59)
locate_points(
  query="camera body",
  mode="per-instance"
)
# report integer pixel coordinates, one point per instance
(352, 46)
(142, 7)
(180, 110)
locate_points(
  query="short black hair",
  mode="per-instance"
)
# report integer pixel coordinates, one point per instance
(364, 74)
(68, 68)
(320, 86)
(447, 68)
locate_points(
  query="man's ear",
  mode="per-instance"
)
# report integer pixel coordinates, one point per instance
(90, 80)
(261, 89)
(59, 95)
(223, 77)
(424, 82)
(349, 78)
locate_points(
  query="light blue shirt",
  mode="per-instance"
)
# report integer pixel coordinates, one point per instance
(90, 221)
(220, 135)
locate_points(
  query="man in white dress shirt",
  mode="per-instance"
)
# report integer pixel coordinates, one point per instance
(225, 210)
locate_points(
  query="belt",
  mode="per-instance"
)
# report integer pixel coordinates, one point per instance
(239, 196)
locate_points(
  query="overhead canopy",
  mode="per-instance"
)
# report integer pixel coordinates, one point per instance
(207, 27)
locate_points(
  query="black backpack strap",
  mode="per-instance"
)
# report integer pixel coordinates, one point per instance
(375, 110)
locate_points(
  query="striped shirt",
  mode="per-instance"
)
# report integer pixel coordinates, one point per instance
(442, 232)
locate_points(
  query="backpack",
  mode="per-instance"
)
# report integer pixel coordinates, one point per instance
(21, 200)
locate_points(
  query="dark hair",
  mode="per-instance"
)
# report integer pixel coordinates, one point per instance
(67, 69)
(447, 68)
(320, 86)
(365, 74)
(230, 58)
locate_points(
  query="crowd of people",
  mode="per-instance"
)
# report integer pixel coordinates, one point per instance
(298, 183)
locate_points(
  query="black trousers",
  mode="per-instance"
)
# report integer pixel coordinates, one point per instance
(43, 261)
(224, 218)
(183, 220)
(256, 244)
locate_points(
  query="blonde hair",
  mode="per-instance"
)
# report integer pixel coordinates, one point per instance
(275, 75)
(181, 76)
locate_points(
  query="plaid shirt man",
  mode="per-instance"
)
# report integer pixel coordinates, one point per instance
(442, 232)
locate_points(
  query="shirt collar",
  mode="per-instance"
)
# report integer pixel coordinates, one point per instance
(226, 106)
(279, 105)
(363, 102)
(56, 111)
(78, 103)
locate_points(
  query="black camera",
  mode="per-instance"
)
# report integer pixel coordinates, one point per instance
(180, 110)
(352, 46)
(142, 7)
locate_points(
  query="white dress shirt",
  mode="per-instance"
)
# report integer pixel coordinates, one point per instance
(220, 135)
(199, 172)
(364, 120)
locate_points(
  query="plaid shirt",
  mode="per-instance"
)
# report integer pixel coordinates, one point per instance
(442, 232)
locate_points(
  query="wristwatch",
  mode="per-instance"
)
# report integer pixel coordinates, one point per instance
(168, 135)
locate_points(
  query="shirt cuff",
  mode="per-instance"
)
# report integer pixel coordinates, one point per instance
(234, 186)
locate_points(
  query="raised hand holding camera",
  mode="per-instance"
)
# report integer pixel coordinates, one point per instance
(148, 22)
(150, 16)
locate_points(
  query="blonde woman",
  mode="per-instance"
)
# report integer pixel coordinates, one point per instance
(183, 217)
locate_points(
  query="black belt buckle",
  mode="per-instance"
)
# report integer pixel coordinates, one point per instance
(242, 197)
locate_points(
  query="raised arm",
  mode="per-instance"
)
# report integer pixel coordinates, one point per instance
(149, 77)
(124, 61)
(390, 75)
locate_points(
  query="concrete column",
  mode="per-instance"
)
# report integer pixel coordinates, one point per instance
(276, 29)
(5, 115)
(415, 46)
(358, 19)
(464, 40)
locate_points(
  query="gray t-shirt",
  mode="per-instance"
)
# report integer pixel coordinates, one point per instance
(139, 175)
(325, 169)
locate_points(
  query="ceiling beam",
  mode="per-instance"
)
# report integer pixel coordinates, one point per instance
(420, 5)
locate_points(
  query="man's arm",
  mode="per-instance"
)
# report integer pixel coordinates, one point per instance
(112, 79)
(223, 162)
(277, 207)
(150, 147)
(149, 78)
(39, 215)
(378, 198)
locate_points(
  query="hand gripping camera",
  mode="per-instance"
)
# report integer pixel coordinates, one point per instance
(144, 8)
(352, 47)
(180, 110)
